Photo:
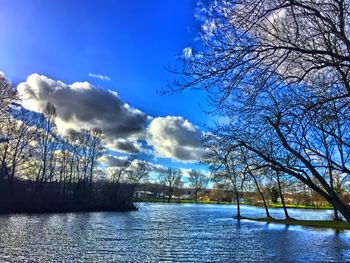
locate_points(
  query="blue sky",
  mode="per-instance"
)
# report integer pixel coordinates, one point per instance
(131, 42)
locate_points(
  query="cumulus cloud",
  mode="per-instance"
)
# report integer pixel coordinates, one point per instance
(82, 105)
(113, 161)
(119, 161)
(124, 145)
(99, 76)
(157, 168)
(176, 138)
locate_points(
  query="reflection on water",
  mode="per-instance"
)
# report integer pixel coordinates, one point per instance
(168, 233)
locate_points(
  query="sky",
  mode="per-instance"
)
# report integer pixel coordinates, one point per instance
(103, 63)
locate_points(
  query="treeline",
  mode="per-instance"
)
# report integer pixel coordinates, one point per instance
(293, 193)
(278, 74)
(43, 170)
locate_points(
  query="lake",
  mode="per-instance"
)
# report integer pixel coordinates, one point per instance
(169, 233)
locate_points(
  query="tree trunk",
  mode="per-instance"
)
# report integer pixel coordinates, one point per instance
(262, 197)
(281, 195)
(340, 206)
(91, 177)
(336, 215)
(11, 180)
(328, 194)
(169, 197)
(238, 216)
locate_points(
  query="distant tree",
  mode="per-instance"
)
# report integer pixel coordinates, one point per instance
(116, 174)
(171, 178)
(137, 173)
(40, 166)
(198, 181)
(226, 165)
(47, 145)
(20, 129)
(95, 152)
(273, 192)
(161, 181)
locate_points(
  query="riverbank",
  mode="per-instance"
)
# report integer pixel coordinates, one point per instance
(338, 225)
(187, 201)
(277, 205)
(51, 197)
(37, 206)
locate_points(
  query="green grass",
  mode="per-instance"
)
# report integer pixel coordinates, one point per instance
(279, 205)
(338, 225)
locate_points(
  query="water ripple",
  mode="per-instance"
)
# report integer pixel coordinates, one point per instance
(168, 233)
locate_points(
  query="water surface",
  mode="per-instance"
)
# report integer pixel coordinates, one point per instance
(169, 233)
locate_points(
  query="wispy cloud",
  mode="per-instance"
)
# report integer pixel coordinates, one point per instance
(99, 76)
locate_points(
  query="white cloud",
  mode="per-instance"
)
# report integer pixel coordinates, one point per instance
(82, 105)
(119, 161)
(99, 76)
(113, 161)
(157, 168)
(176, 138)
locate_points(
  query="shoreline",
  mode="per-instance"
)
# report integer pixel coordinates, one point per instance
(278, 205)
(8, 207)
(39, 212)
(328, 224)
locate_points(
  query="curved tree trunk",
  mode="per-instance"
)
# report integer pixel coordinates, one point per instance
(327, 193)
(281, 196)
(262, 196)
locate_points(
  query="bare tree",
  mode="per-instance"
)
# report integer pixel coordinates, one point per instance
(171, 179)
(138, 173)
(198, 181)
(279, 70)
(21, 131)
(46, 142)
(225, 164)
(95, 152)
(7, 96)
(118, 173)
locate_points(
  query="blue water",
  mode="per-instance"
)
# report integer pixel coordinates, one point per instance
(169, 233)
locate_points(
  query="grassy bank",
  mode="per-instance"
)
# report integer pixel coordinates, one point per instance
(338, 225)
(279, 205)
